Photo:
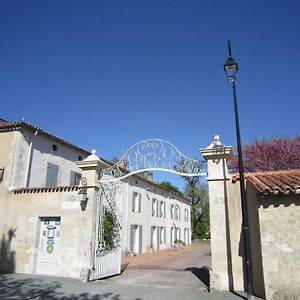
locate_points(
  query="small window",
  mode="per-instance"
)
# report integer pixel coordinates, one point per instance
(136, 202)
(154, 207)
(172, 212)
(186, 218)
(51, 232)
(79, 158)
(54, 147)
(162, 235)
(162, 209)
(75, 178)
(177, 212)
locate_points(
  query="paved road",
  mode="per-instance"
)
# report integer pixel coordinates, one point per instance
(20, 286)
(187, 268)
(166, 275)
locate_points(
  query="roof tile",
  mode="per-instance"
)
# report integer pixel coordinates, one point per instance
(274, 182)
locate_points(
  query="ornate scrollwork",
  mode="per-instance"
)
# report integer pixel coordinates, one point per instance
(153, 154)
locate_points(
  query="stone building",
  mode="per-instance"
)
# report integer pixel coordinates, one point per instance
(44, 226)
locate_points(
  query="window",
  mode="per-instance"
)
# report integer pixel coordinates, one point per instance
(52, 175)
(162, 235)
(136, 202)
(75, 178)
(162, 212)
(172, 212)
(186, 215)
(177, 213)
(154, 207)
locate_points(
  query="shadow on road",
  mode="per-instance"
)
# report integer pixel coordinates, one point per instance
(201, 273)
(14, 286)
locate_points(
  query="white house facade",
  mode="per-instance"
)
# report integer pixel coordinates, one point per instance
(153, 217)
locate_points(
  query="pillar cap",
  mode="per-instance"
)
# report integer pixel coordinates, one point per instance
(216, 150)
(92, 162)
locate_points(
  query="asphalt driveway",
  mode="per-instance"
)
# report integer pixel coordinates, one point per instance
(185, 267)
(171, 275)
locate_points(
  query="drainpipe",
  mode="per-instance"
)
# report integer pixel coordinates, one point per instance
(29, 161)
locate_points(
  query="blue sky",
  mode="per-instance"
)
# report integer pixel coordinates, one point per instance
(106, 74)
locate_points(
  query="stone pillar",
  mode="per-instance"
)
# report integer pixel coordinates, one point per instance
(91, 167)
(216, 156)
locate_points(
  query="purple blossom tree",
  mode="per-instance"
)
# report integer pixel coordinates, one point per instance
(268, 155)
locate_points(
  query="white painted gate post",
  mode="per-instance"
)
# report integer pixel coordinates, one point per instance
(217, 155)
(91, 166)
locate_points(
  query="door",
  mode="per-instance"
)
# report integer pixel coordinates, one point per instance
(154, 237)
(135, 239)
(172, 236)
(48, 252)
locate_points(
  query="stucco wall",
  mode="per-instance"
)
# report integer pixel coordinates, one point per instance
(274, 240)
(279, 220)
(235, 237)
(20, 162)
(6, 152)
(43, 154)
(22, 218)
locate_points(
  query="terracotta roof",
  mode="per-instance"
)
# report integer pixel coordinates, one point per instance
(2, 121)
(274, 182)
(36, 190)
(16, 125)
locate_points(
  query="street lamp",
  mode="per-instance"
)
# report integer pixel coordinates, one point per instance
(231, 68)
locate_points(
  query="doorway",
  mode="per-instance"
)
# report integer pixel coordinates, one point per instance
(48, 251)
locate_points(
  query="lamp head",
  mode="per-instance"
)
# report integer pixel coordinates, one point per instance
(82, 194)
(230, 66)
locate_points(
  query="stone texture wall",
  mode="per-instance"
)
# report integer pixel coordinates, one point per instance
(279, 221)
(275, 248)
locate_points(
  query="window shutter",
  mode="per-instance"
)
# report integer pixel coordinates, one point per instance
(133, 201)
(153, 207)
(72, 178)
(140, 238)
(140, 202)
(52, 175)
(131, 239)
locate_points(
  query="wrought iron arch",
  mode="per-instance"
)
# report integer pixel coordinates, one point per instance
(147, 155)
(152, 155)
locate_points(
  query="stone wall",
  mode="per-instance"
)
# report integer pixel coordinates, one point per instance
(279, 221)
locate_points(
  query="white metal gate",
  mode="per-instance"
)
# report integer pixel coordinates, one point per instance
(148, 155)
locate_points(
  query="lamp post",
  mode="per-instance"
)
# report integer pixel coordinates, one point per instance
(231, 68)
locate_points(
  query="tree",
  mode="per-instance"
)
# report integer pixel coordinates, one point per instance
(268, 155)
(198, 195)
(169, 186)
